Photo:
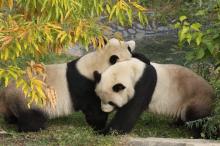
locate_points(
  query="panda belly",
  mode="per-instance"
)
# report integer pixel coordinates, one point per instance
(56, 78)
(166, 99)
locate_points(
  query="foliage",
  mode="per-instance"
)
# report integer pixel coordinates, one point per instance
(38, 27)
(205, 44)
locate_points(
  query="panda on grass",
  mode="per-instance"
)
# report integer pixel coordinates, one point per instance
(74, 86)
(136, 85)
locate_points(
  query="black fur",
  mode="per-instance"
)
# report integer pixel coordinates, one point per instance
(31, 120)
(126, 117)
(11, 119)
(113, 59)
(84, 97)
(97, 76)
(141, 57)
(118, 87)
(129, 49)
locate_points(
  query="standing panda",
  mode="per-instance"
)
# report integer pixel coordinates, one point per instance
(133, 86)
(74, 86)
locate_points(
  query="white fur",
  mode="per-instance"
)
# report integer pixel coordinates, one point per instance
(128, 73)
(176, 88)
(99, 60)
(56, 78)
(166, 98)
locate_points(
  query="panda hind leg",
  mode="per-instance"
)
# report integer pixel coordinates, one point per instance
(194, 111)
(176, 123)
(31, 120)
(10, 119)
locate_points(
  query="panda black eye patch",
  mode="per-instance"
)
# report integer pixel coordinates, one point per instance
(113, 59)
(118, 87)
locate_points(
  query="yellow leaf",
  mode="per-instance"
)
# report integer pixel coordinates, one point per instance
(6, 54)
(10, 4)
(1, 3)
(63, 37)
(6, 81)
(139, 7)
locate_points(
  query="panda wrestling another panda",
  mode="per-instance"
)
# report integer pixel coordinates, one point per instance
(136, 85)
(74, 86)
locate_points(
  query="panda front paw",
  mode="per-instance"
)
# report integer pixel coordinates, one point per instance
(104, 131)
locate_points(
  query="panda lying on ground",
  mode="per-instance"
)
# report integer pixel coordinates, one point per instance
(134, 86)
(74, 86)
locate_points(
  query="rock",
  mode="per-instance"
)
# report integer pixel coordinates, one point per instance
(140, 30)
(125, 34)
(148, 28)
(140, 35)
(75, 51)
(162, 28)
(169, 59)
(151, 141)
(139, 26)
(112, 25)
(131, 31)
(120, 28)
(150, 32)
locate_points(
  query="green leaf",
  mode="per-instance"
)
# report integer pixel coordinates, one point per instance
(182, 18)
(182, 34)
(200, 53)
(196, 26)
(199, 39)
(177, 25)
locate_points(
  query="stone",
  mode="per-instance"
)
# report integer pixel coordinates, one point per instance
(169, 59)
(140, 35)
(120, 28)
(131, 31)
(75, 51)
(148, 27)
(162, 28)
(125, 34)
(152, 141)
(139, 26)
(150, 32)
(140, 30)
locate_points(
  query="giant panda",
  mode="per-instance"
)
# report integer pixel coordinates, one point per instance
(74, 86)
(136, 85)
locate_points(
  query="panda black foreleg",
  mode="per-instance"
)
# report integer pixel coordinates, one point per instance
(125, 119)
(95, 117)
(126, 116)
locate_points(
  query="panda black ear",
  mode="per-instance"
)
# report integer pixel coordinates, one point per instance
(129, 49)
(105, 41)
(113, 59)
(97, 76)
(118, 87)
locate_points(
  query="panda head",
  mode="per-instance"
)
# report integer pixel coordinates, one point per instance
(116, 51)
(115, 86)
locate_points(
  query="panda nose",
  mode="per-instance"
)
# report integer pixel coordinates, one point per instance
(112, 104)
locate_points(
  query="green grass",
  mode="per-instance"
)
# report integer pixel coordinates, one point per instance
(73, 130)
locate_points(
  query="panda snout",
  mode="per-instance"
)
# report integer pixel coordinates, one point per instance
(107, 107)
